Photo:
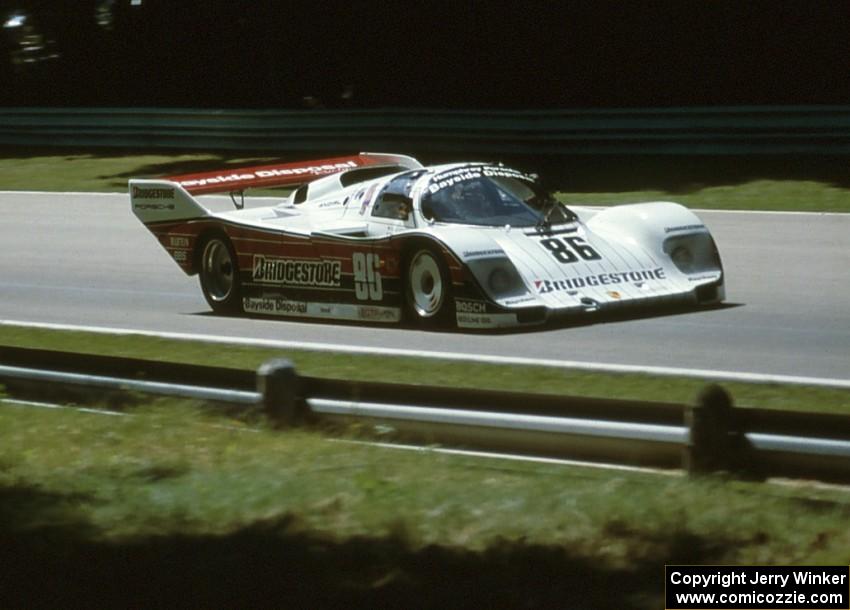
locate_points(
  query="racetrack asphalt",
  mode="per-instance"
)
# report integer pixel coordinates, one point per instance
(84, 259)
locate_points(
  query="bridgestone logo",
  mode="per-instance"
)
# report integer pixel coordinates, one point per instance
(269, 270)
(602, 279)
(152, 193)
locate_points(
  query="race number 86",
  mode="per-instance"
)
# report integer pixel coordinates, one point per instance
(569, 249)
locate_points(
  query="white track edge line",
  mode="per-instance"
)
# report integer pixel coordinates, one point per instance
(707, 374)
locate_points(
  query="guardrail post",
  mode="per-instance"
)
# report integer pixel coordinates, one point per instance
(279, 388)
(712, 439)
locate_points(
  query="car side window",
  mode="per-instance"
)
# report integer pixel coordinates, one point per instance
(392, 205)
(395, 201)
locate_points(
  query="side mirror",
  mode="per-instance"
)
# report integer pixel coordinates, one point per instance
(427, 211)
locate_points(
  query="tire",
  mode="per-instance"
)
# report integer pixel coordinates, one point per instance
(428, 289)
(219, 275)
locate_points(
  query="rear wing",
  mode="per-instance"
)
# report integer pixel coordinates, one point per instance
(284, 174)
(163, 201)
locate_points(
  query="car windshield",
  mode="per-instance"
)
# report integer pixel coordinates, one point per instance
(490, 196)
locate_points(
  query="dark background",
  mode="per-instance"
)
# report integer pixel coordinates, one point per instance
(243, 54)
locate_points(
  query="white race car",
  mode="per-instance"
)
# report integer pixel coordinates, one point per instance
(380, 238)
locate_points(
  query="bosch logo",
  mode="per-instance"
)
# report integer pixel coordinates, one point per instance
(470, 307)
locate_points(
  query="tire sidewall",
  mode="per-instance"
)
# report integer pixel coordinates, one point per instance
(233, 302)
(444, 317)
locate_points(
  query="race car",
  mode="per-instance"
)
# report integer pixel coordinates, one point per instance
(381, 238)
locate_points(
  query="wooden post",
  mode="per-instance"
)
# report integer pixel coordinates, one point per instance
(712, 432)
(279, 386)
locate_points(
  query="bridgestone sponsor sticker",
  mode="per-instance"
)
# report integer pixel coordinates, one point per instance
(683, 228)
(601, 279)
(152, 193)
(270, 270)
(483, 253)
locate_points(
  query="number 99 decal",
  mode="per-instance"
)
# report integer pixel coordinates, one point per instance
(367, 278)
(568, 249)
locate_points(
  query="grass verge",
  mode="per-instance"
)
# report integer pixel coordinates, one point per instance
(531, 379)
(101, 172)
(173, 506)
(733, 183)
(780, 195)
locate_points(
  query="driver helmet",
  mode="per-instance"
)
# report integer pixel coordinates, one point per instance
(475, 199)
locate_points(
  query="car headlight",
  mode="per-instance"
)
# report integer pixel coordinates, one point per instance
(693, 253)
(683, 258)
(499, 281)
(498, 277)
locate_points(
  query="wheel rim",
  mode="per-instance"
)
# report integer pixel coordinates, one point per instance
(218, 270)
(426, 285)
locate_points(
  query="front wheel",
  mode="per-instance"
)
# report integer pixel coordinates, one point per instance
(219, 275)
(428, 290)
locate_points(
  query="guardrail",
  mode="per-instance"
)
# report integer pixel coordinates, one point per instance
(823, 130)
(708, 436)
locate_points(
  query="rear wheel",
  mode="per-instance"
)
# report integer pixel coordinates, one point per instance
(428, 289)
(219, 275)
